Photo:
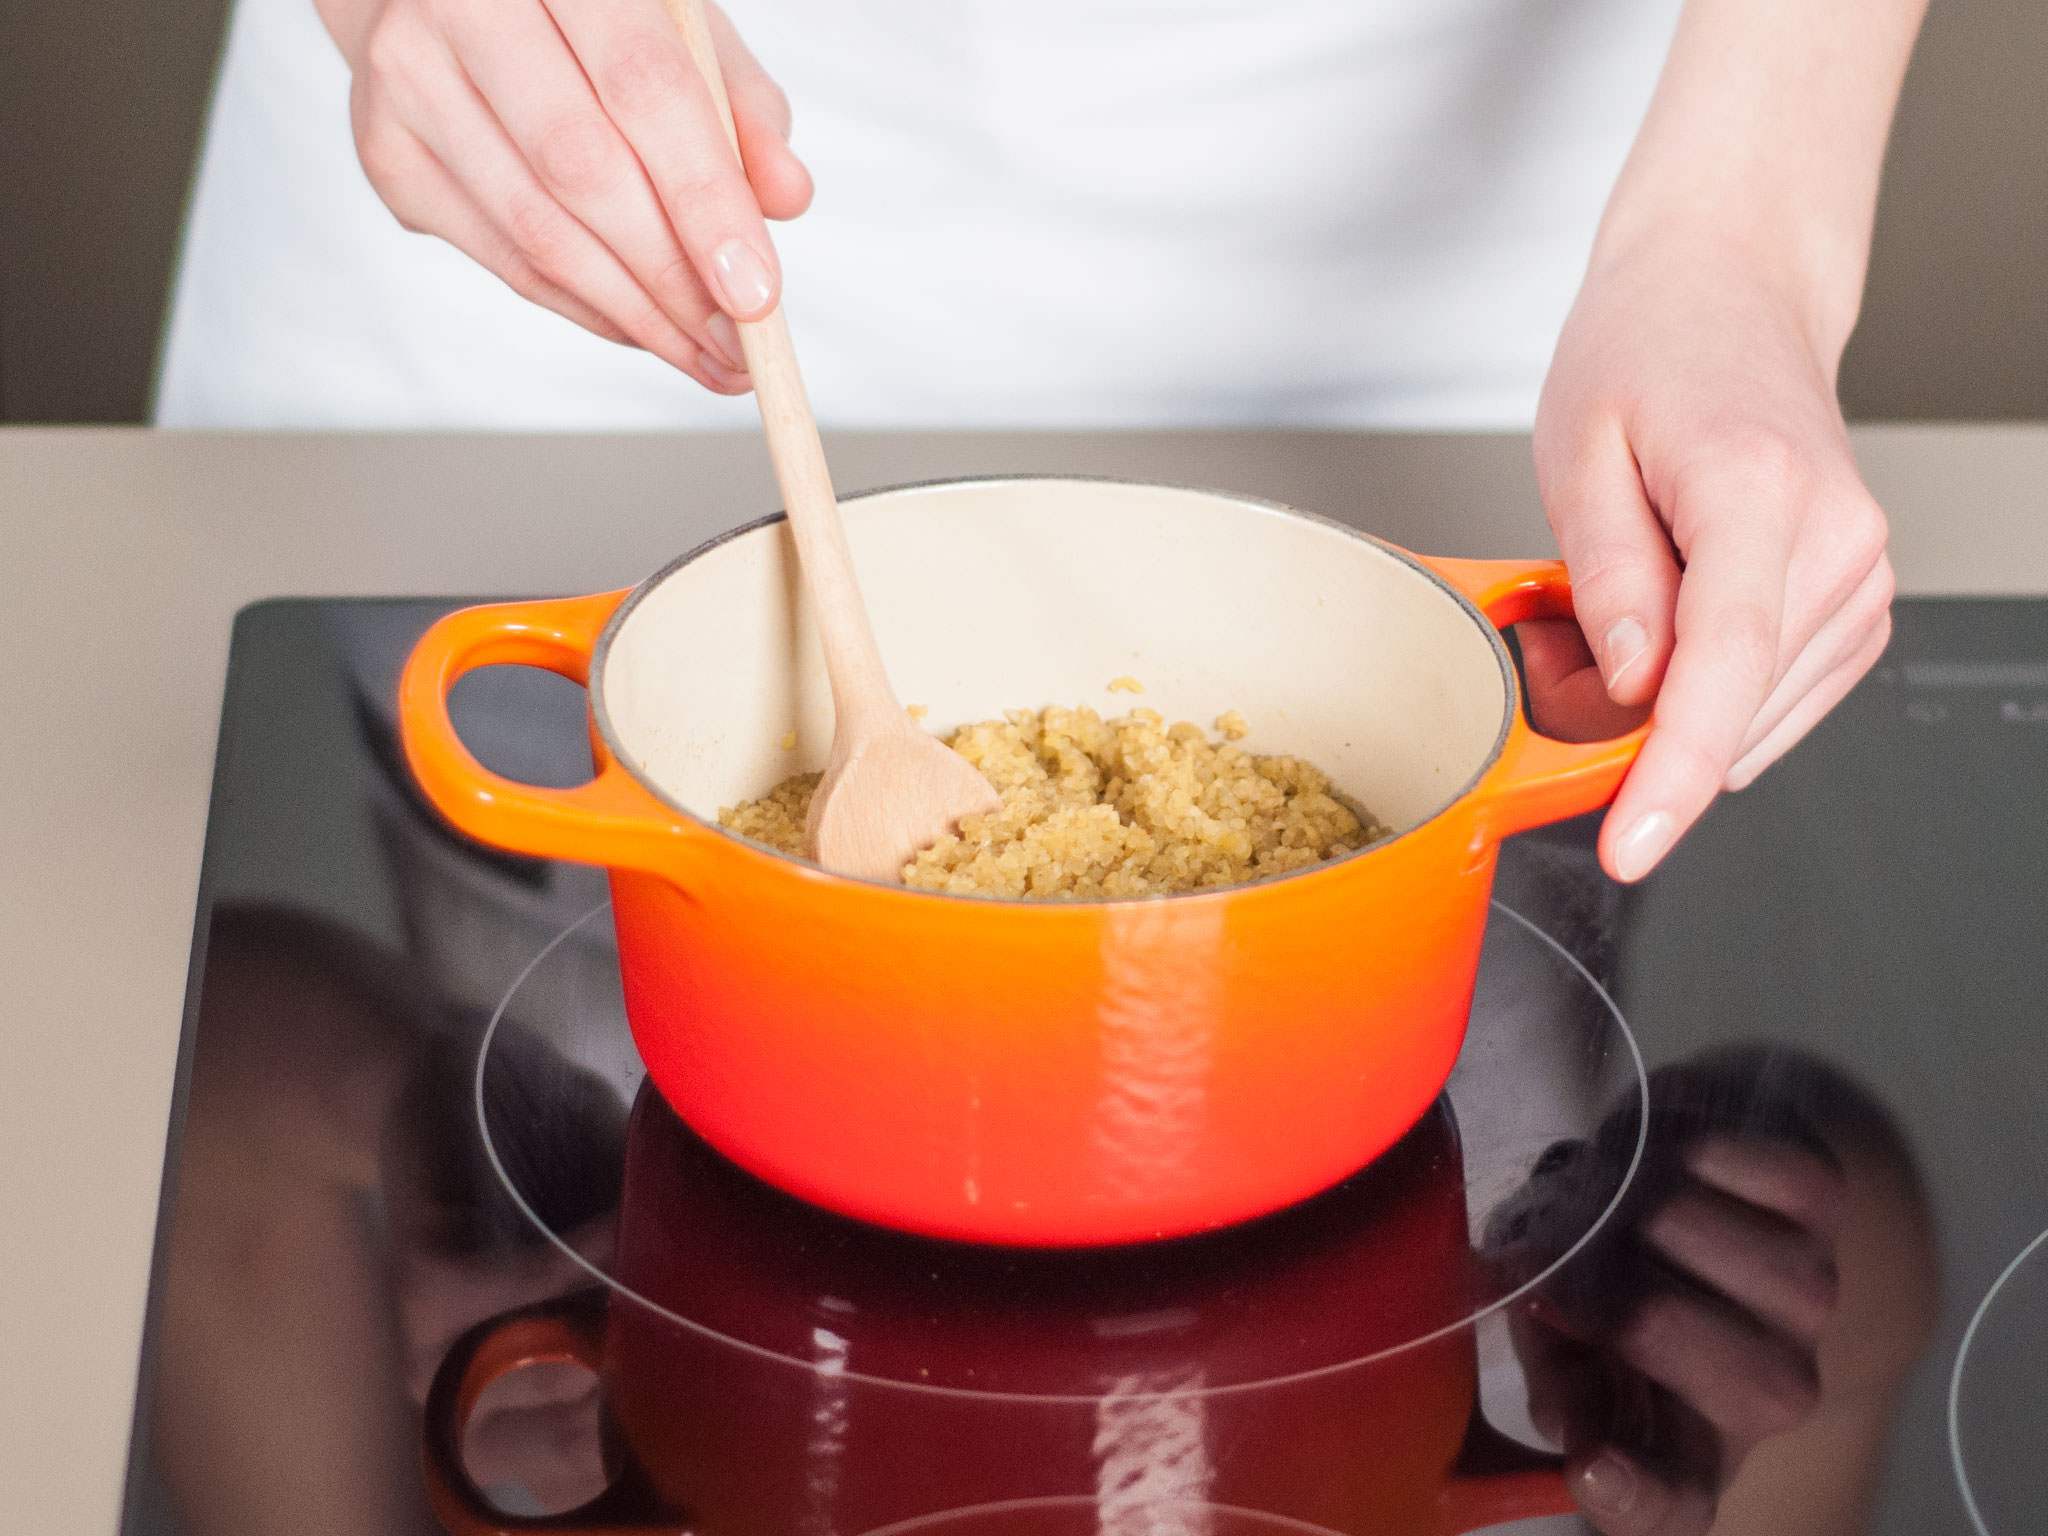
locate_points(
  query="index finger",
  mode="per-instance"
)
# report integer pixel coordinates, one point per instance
(1729, 625)
(651, 88)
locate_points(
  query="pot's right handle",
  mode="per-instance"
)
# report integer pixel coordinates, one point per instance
(568, 1328)
(1537, 779)
(611, 820)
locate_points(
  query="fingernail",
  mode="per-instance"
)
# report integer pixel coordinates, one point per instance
(1622, 649)
(743, 280)
(722, 377)
(724, 337)
(1608, 1484)
(1638, 849)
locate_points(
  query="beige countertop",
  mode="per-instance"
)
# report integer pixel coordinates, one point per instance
(124, 555)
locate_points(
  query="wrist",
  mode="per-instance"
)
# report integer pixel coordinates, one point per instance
(1672, 240)
(1762, 149)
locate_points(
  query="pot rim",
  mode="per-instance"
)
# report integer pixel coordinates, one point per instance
(608, 734)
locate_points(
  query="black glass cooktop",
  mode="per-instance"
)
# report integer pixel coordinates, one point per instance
(1724, 1219)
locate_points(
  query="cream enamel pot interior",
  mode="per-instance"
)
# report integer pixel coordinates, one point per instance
(1033, 1072)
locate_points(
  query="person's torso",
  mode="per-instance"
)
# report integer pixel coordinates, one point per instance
(1082, 213)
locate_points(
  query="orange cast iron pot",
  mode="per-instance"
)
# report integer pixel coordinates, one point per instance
(1047, 1073)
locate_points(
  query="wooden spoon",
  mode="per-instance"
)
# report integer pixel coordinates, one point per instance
(889, 789)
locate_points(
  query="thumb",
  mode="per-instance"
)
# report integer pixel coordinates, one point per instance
(1623, 569)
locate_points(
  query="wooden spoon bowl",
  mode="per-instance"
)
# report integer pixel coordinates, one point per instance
(888, 791)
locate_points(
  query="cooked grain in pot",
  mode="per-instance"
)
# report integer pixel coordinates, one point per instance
(1096, 808)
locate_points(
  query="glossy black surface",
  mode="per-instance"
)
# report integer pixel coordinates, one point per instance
(1839, 983)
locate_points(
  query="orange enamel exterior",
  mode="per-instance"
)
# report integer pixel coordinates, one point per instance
(1013, 1072)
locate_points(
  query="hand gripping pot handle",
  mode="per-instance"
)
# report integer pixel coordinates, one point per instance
(563, 1328)
(610, 820)
(1537, 779)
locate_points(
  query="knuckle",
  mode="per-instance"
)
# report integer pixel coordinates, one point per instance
(1859, 661)
(1773, 466)
(1744, 637)
(643, 74)
(1867, 608)
(684, 193)
(1756, 470)
(524, 278)
(577, 154)
(1884, 588)
(391, 168)
(1608, 579)
(1862, 537)
(677, 281)
(651, 329)
(1695, 767)
(378, 148)
(538, 228)
(389, 49)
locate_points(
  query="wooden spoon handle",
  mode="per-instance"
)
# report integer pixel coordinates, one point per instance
(860, 685)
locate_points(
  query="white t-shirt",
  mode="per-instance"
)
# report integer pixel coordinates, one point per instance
(1071, 213)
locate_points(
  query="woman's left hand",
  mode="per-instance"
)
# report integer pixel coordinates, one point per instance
(1726, 560)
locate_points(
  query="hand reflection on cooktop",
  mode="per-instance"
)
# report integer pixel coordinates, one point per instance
(1733, 1344)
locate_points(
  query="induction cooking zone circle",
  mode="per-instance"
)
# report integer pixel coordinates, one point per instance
(1998, 1431)
(1394, 1258)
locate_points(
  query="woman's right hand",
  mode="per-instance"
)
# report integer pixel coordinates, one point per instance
(572, 148)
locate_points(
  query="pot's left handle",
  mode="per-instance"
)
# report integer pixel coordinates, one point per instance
(568, 1328)
(611, 820)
